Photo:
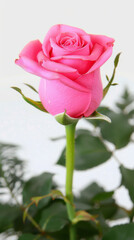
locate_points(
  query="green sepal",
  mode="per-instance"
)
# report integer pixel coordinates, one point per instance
(97, 115)
(84, 216)
(65, 119)
(36, 104)
(31, 87)
(54, 194)
(110, 81)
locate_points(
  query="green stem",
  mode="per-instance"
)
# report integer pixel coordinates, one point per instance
(70, 146)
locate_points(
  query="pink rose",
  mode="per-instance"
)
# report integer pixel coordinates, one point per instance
(68, 63)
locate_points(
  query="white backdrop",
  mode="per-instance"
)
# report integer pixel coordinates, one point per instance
(23, 21)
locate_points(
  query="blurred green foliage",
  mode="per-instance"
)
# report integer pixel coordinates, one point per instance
(49, 219)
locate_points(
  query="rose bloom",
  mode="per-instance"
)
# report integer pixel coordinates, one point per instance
(68, 63)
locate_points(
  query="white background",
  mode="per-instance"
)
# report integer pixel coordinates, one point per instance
(23, 21)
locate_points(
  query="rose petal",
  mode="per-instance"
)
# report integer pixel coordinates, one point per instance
(93, 82)
(31, 50)
(61, 68)
(102, 40)
(107, 43)
(57, 98)
(33, 67)
(98, 57)
(95, 54)
(54, 31)
(102, 59)
(67, 28)
(74, 50)
(80, 65)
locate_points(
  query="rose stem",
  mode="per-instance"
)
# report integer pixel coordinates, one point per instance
(70, 146)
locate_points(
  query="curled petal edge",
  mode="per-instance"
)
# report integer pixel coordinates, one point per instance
(34, 68)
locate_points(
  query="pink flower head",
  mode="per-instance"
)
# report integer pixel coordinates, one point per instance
(68, 63)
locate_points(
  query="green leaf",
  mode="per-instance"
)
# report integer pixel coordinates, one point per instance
(38, 186)
(119, 131)
(102, 196)
(126, 100)
(54, 217)
(89, 151)
(99, 116)
(121, 232)
(65, 119)
(128, 180)
(8, 214)
(86, 229)
(36, 104)
(116, 61)
(114, 84)
(105, 90)
(29, 236)
(31, 87)
(88, 193)
(107, 78)
(108, 208)
(120, 213)
(100, 200)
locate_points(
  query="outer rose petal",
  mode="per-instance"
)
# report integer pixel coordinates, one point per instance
(93, 82)
(33, 67)
(80, 65)
(31, 50)
(68, 71)
(107, 43)
(57, 98)
(102, 40)
(102, 59)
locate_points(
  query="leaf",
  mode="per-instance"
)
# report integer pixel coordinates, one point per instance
(99, 116)
(54, 217)
(126, 100)
(83, 216)
(98, 198)
(102, 196)
(120, 232)
(65, 119)
(114, 84)
(36, 104)
(120, 213)
(105, 90)
(107, 78)
(88, 193)
(86, 229)
(31, 87)
(8, 214)
(89, 151)
(128, 180)
(38, 186)
(119, 131)
(116, 61)
(108, 208)
(29, 236)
